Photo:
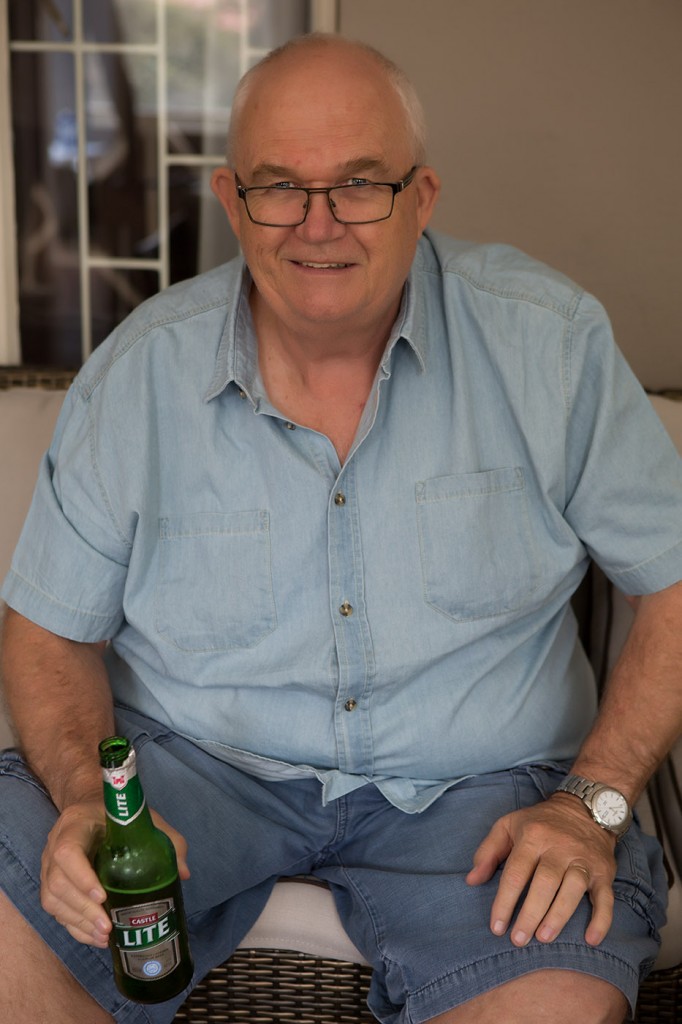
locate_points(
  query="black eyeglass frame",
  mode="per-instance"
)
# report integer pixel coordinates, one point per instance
(395, 186)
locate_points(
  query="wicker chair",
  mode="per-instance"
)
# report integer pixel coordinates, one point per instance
(298, 965)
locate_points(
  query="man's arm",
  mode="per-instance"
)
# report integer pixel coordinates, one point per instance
(59, 698)
(556, 846)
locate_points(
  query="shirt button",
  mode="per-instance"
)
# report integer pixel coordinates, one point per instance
(242, 393)
(346, 609)
(350, 705)
(340, 499)
(290, 426)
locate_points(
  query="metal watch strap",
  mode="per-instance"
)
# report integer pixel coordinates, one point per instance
(578, 786)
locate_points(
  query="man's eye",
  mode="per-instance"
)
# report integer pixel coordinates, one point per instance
(283, 184)
(359, 181)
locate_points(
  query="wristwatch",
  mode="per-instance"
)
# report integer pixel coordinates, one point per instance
(607, 805)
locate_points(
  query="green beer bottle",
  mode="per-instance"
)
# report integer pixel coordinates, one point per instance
(137, 867)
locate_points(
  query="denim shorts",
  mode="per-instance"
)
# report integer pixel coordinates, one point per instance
(397, 878)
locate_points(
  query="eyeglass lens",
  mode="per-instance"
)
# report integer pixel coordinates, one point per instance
(350, 204)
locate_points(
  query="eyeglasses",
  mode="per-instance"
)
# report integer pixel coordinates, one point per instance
(287, 206)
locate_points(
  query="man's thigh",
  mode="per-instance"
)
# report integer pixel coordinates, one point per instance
(562, 997)
(399, 882)
(241, 834)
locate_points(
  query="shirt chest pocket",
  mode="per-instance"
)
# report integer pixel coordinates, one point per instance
(214, 585)
(478, 558)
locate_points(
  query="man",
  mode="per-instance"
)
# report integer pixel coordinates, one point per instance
(330, 513)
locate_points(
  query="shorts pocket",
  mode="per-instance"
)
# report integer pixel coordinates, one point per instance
(477, 552)
(214, 587)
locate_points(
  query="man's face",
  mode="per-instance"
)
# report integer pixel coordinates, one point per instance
(325, 119)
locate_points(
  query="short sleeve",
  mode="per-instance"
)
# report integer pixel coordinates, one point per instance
(624, 474)
(69, 569)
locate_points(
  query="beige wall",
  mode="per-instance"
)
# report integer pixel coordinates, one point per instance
(557, 126)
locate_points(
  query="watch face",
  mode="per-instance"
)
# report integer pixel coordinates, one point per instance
(611, 808)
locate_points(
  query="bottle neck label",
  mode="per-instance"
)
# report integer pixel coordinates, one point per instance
(123, 796)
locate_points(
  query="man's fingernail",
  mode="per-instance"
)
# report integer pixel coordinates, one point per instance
(498, 927)
(520, 939)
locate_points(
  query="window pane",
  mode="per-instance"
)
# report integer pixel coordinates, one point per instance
(203, 69)
(49, 21)
(200, 234)
(45, 154)
(210, 43)
(272, 22)
(114, 294)
(122, 154)
(120, 21)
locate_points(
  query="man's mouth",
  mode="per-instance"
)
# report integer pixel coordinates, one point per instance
(322, 266)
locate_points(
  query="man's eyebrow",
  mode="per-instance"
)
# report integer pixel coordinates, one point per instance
(366, 164)
(272, 171)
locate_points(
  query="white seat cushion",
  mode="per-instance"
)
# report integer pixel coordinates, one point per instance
(27, 419)
(302, 916)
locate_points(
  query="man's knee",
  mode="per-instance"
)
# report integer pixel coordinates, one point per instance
(562, 997)
(36, 987)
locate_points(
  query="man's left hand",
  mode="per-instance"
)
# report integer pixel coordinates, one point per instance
(560, 853)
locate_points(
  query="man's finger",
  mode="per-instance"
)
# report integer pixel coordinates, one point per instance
(602, 913)
(495, 848)
(519, 871)
(576, 882)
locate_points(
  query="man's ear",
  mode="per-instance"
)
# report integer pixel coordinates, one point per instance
(225, 188)
(428, 189)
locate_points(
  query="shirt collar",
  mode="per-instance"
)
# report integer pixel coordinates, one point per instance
(237, 343)
(237, 361)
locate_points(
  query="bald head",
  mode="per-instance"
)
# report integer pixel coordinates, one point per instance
(323, 49)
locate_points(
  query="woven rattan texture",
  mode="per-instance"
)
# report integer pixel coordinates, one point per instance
(275, 987)
(35, 377)
(660, 998)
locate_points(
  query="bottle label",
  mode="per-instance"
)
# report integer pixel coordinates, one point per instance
(123, 796)
(147, 939)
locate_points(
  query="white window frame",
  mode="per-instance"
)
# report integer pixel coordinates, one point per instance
(10, 349)
(324, 18)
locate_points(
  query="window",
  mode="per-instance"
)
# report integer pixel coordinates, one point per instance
(118, 113)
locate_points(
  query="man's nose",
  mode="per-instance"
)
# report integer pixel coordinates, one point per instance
(320, 222)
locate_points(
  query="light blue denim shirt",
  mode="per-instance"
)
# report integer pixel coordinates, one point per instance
(401, 619)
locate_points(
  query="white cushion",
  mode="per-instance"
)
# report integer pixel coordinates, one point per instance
(27, 419)
(302, 916)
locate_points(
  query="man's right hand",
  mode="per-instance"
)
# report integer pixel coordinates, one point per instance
(70, 889)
